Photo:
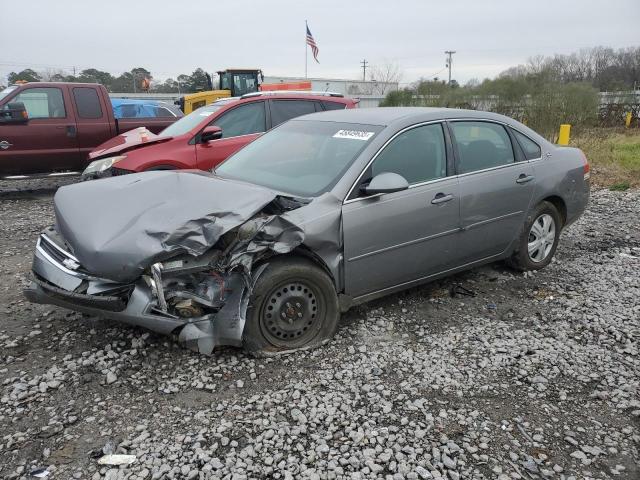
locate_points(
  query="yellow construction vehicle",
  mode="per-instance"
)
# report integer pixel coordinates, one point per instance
(232, 82)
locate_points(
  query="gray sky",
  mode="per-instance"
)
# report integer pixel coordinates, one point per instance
(170, 37)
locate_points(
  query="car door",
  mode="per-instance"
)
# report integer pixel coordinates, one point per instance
(396, 238)
(495, 188)
(286, 109)
(240, 125)
(48, 141)
(93, 125)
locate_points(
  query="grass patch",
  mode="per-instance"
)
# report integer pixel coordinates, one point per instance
(620, 187)
(614, 156)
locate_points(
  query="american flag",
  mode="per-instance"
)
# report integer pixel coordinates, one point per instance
(312, 43)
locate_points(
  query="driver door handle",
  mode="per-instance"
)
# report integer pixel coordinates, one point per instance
(524, 178)
(442, 198)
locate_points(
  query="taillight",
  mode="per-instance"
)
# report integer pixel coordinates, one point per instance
(586, 169)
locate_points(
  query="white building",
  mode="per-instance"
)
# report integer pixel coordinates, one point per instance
(370, 92)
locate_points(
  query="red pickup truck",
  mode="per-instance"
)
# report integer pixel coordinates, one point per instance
(52, 127)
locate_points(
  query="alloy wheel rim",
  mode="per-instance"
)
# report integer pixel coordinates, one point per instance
(291, 315)
(542, 236)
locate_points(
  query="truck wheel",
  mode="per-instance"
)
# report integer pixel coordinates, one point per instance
(539, 239)
(293, 305)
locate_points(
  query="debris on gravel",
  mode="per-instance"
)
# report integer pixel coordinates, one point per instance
(418, 385)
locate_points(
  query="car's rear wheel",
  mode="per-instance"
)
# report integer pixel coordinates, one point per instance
(293, 305)
(539, 239)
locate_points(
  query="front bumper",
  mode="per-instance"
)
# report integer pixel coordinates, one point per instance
(58, 279)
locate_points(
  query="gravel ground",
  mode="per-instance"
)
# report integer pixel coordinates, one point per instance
(536, 376)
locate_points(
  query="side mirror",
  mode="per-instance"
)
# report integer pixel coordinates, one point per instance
(386, 182)
(14, 113)
(210, 133)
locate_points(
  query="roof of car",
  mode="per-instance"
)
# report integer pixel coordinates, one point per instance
(288, 95)
(387, 115)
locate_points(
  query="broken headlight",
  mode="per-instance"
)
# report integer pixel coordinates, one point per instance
(99, 166)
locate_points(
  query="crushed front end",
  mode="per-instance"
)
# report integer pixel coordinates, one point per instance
(203, 300)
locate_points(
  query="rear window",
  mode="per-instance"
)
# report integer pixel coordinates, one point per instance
(283, 110)
(87, 102)
(529, 147)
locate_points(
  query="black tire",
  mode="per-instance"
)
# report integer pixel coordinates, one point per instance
(521, 259)
(293, 305)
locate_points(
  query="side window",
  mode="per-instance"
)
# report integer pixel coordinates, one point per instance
(418, 155)
(283, 110)
(481, 145)
(42, 102)
(243, 120)
(87, 102)
(530, 148)
(334, 105)
(163, 112)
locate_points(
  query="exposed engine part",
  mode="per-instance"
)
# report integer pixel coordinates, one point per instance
(188, 309)
(156, 285)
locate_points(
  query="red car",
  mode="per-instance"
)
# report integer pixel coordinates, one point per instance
(208, 135)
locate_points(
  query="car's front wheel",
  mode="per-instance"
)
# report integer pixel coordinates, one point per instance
(539, 239)
(293, 305)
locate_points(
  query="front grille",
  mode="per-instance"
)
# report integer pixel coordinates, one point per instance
(58, 254)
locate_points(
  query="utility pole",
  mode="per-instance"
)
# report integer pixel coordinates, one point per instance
(364, 64)
(449, 53)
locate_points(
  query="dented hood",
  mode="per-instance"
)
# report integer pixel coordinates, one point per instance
(127, 141)
(117, 227)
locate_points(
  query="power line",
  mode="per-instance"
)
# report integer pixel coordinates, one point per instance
(364, 64)
(450, 53)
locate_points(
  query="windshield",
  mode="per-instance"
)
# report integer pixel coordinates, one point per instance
(302, 158)
(186, 123)
(7, 91)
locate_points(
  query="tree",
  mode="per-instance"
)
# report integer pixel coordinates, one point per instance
(384, 76)
(199, 81)
(129, 82)
(26, 75)
(92, 75)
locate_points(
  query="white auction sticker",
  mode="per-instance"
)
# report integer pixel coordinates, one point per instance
(353, 134)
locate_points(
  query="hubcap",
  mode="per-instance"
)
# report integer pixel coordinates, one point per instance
(291, 315)
(541, 238)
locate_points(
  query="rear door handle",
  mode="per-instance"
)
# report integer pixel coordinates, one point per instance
(442, 198)
(524, 178)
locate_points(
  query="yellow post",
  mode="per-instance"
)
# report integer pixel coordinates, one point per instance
(627, 120)
(565, 132)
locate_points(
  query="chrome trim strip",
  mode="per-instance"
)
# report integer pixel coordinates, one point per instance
(380, 150)
(499, 167)
(399, 245)
(57, 247)
(494, 219)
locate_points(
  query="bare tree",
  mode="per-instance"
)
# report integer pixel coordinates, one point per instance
(386, 77)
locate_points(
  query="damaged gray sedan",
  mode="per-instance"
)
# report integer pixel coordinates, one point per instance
(322, 213)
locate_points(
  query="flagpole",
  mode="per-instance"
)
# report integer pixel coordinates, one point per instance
(306, 48)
